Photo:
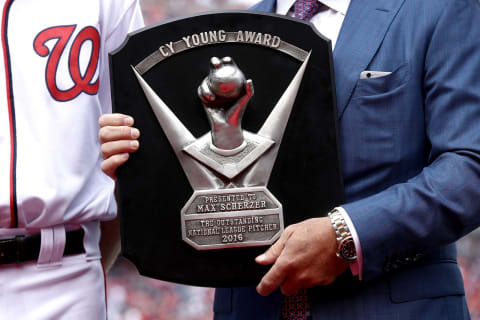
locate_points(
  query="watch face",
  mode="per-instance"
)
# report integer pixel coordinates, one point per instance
(347, 250)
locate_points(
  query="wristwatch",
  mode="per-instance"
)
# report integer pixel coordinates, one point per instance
(345, 244)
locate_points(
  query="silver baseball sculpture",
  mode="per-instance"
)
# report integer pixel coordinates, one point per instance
(225, 94)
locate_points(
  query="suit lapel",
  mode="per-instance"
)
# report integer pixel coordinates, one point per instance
(362, 32)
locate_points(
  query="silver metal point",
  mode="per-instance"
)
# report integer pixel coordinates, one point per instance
(179, 136)
(273, 129)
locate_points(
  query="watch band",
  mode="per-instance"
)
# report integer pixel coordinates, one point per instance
(345, 244)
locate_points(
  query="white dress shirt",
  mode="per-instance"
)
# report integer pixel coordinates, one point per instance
(328, 22)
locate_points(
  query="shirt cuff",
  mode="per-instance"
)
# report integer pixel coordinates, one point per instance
(355, 267)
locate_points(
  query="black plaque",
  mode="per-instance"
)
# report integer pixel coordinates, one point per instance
(153, 188)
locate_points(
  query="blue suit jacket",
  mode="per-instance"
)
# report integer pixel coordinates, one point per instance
(410, 145)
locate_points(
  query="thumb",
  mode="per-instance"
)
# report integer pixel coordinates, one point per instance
(271, 255)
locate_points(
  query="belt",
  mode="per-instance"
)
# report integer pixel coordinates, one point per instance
(27, 248)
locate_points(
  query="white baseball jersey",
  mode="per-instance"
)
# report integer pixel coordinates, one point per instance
(54, 85)
(54, 88)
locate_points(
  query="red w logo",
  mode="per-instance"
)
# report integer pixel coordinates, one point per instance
(82, 80)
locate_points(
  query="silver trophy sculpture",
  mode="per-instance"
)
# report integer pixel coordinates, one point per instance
(228, 167)
(220, 94)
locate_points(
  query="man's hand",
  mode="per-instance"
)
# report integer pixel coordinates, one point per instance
(303, 257)
(118, 138)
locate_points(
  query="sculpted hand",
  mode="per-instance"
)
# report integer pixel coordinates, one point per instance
(303, 257)
(225, 94)
(118, 138)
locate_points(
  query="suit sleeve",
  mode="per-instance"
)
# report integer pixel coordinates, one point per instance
(441, 203)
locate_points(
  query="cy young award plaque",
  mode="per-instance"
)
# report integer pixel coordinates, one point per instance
(238, 140)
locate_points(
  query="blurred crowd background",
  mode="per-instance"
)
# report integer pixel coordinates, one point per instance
(133, 297)
(155, 11)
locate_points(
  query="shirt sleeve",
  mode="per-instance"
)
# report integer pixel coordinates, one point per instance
(357, 266)
(118, 18)
(121, 20)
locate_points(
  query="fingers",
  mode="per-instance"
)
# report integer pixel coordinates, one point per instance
(110, 165)
(290, 287)
(115, 154)
(115, 133)
(204, 92)
(272, 280)
(118, 139)
(303, 257)
(271, 255)
(112, 148)
(115, 119)
(277, 274)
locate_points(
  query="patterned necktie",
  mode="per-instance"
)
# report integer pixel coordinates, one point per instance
(306, 9)
(296, 307)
